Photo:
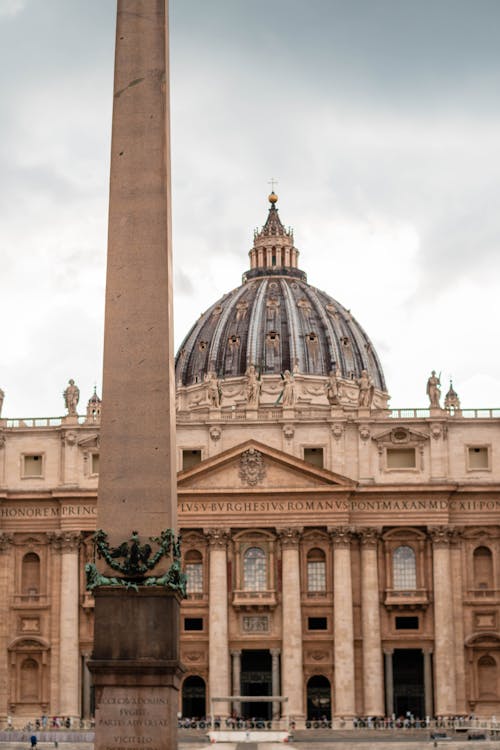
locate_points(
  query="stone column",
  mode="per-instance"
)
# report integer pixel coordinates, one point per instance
(343, 623)
(389, 684)
(68, 542)
(218, 645)
(428, 691)
(444, 641)
(458, 622)
(236, 658)
(275, 655)
(373, 670)
(291, 660)
(6, 590)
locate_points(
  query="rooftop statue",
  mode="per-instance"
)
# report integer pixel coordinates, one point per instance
(433, 390)
(71, 398)
(252, 386)
(366, 389)
(333, 388)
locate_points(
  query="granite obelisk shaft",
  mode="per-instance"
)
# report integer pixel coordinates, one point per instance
(137, 482)
(135, 661)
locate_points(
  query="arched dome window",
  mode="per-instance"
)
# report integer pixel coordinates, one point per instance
(30, 575)
(316, 571)
(194, 572)
(254, 569)
(404, 569)
(483, 568)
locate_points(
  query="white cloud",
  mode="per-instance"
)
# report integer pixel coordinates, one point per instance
(12, 7)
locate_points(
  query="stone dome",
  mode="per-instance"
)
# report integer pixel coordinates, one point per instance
(276, 321)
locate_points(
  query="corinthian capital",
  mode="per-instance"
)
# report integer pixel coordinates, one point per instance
(65, 541)
(217, 537)
(341, 536)
(369, 536)
(441, 536)
(290, 537)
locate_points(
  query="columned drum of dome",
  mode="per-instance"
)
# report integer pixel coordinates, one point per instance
(276, 321)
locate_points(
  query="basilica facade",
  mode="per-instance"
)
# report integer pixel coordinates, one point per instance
(339, 554)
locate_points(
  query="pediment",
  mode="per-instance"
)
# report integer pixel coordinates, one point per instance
(253, 466)
(89, 441)
(400, 436)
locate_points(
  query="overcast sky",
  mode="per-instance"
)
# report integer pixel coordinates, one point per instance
(379, 118)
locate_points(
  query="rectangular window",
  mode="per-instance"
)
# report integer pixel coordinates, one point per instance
(193, 623)
(190, 458)
(317, 623)
(316, 575)
(478, 457)
(94, 463)
(314, 456)
(194, 576)
(401, 458)
(406, 623)
(32, 465)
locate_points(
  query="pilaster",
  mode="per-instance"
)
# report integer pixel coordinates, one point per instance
(292, 660)
(373, 669)
(218, 647)
(444, 636)
(343, 622)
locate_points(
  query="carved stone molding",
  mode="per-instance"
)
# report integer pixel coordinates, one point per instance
(441, 536)
(290, 537)
(341, 536)
(252, 468)
(369, 537)
(217, 537)
(65, 541)
(5, 541)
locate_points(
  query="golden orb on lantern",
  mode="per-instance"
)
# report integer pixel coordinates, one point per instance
(273, 198)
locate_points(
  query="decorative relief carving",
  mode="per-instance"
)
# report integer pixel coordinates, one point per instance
(69, 438)
(255, 623)
(318, 655)
(364, 432)
(193, 656)
(337, 430)
(288, 431)
(252, 468)
(215, 433)
(217, 537)
(5, 541)
(341, 536)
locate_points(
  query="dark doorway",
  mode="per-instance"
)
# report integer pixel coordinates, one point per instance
(319, 700)
(193, 697)
(256, 679)
(409, 692)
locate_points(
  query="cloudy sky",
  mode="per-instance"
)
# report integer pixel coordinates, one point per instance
(379, 118)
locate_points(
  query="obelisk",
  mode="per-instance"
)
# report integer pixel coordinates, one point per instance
(135, 662)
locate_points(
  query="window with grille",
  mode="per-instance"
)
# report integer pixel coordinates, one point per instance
(316, 571)
(254, 569)
(194, 572)
(404, 569)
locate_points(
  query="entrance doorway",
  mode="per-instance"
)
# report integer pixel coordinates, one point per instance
(193, 697)
(319, 702)
(256, 679)
(409, 691)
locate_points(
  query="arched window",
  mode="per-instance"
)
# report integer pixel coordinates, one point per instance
(487, 677)
(29, 681)
(404, 569)
(193, 697)
(194, 572)
(319, 698)
(316, 570)
(254, 569)
(30, 575)
(483, 568)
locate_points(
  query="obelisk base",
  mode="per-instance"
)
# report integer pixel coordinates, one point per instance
(136, 669)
